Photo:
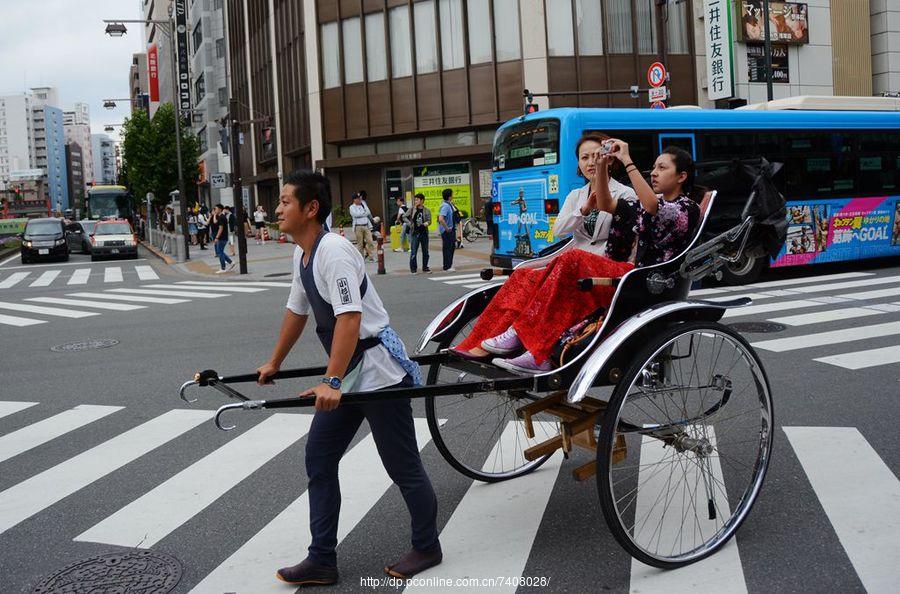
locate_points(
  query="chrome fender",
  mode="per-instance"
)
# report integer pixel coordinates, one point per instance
(674, 311)
(450, 316)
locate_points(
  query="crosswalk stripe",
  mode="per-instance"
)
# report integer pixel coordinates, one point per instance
(13, 279)
(860, 495)
(29, 497)
(49, 311)
(112, 274)
(503, 518)
(20, 322)
(45, 278)
(780, 345)
(443, 279)
(831, 315)
(207, 288)
(8, 407)
(875, 294)
(782, 283)
(462, 281)
(80, 277)
(476, 286)
(153, 516)
(867, 282)
(163, 293)
(129, 298)
(250, 568)
(85, 303)
(237, 284)
(723, 571)
(146, 273)
(26, 438)
(864, 359)
(752, 296)
(770, 307)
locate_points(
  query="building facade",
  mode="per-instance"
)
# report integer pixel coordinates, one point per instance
(103, 150)
(139, 81)
(77, 126)
(885, 30)
(75, 165)
(16, 136)
(50, 144)
(158, 42)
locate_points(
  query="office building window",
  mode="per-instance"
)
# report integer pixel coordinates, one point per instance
(426, 37)
(401, 50)
(589, 25)
(677, 29)
(506, 30)
(198, 36)
(376, 61)
(331, 65)
(353, 59)
(199, 88)
(479, 21)
(559, 28)
(618, 21)
(452, 50)
(646, 26)
(220, 47)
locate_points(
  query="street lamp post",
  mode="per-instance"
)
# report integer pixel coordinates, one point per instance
(117, 29)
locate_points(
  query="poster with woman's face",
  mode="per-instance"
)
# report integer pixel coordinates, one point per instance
(788, 22)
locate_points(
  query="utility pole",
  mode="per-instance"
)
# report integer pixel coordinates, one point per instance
(237, 186)
(768, 49)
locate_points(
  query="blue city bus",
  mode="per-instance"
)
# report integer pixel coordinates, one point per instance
(104, 202)
(841, 174)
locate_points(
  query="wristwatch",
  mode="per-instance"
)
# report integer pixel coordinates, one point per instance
(334, 382)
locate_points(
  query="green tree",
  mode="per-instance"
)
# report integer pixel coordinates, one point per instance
(149, 156)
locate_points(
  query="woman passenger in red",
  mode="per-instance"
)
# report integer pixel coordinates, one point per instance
(536, 306)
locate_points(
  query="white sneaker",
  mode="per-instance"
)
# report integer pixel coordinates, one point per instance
(397, 250)
(503, 344)
(221, 271)
(450, 270)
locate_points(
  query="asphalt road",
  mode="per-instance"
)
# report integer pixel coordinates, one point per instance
(124, 467)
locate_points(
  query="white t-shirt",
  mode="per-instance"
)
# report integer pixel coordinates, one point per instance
(338, 272)
(259, 216)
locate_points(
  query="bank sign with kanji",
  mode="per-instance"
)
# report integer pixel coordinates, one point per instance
(719, 45)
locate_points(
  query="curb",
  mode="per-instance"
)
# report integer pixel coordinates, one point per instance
(155, 251)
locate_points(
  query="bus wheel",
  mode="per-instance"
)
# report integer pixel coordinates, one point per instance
(744, 271)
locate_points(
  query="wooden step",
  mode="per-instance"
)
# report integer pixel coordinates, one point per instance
(586, 471)
(544, 448)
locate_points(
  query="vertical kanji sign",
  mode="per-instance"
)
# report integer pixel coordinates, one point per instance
(181, 41)
(719, 46)
(153, 67)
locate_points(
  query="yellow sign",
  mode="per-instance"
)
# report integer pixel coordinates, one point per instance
(432, 180)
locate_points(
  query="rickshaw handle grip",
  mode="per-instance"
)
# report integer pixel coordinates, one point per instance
(489, 273)
(586, 284)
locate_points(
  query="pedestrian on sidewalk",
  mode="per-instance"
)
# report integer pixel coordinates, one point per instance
(457, 218)
(221, 238)
(192, 226)
(447, 228)
(402, 219)
(259, 221)
(362, 227)
(420, 221)
(364, 354)
(232, 228)
(202, 227)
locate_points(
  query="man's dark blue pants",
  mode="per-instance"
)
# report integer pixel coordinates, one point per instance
(394, 433)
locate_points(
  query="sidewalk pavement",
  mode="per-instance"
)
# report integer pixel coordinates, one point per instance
(272, 261)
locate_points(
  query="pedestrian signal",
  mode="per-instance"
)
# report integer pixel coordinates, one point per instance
(531, 108)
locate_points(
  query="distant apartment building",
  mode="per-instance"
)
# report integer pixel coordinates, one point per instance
(50, 144)
(16, 136)
(139, 82)
(159, 44)
(77, 124)
(75, 165)
(104, 165)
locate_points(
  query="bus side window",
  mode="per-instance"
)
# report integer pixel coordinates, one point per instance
(879, 163)
(726, 145)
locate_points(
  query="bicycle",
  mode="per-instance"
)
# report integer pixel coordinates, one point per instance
(473, 229)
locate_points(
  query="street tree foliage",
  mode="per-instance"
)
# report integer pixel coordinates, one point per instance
(150, 162)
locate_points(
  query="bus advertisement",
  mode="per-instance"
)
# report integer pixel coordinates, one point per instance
(840, 175)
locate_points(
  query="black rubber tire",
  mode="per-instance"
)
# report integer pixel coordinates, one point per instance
(25, 260)
(435, 429)
(746, 271)
(606, 442)
(94, 258)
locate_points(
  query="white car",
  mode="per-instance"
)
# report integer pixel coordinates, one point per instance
(113, 238)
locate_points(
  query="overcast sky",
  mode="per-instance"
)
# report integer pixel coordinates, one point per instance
(61, 43)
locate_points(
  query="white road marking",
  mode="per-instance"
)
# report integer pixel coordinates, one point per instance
(237, 284)
(162, 293)
(503, 518)
(250, 568)
(146, 273)
(112, 274)
(867, 282)
(864, 359)
(875, 294)
(780, 345)
(206, 288)
(80, 277)
(782, 283)
(443, 279)
(45, 279)
(770, 307)
(20, 322)
(822, 317)
(153, 516)
(860, 495)
(49, 311)
(85, 303)
(21, 501)
(13, 279)
(26, 438)
(8, 407)
(476, 286)
(130, 298)
(463, 281)
(55, 264)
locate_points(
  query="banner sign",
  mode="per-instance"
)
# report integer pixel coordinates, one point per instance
(431, 180)
(524, 227)
(181, 40)
(719, 44)
(756, 63)
(788, 22)
(830, 230)
(153, 68)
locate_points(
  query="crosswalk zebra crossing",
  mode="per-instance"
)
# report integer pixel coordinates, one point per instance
(493, 530)
(75, 276)
(76, 305)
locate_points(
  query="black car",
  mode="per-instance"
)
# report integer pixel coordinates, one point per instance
(78, 235)
(44, 239)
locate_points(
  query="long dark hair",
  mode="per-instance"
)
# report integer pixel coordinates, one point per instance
(599, 138)
(684, 163)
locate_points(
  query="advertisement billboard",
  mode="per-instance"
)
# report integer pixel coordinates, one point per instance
(788, 22)
(431, 180)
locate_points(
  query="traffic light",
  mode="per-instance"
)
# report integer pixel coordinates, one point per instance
(531, 108)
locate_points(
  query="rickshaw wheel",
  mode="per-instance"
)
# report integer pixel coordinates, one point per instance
(479, 434)
(685, 444)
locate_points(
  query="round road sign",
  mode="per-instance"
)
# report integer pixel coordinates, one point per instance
(657, 105)
(656, 74)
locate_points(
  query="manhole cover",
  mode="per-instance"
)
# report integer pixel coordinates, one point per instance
(137, 571)
(85, 345)
(274, 274)
(758, 327)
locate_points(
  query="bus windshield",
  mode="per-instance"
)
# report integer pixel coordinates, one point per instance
(109, 204)
(527, 144)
